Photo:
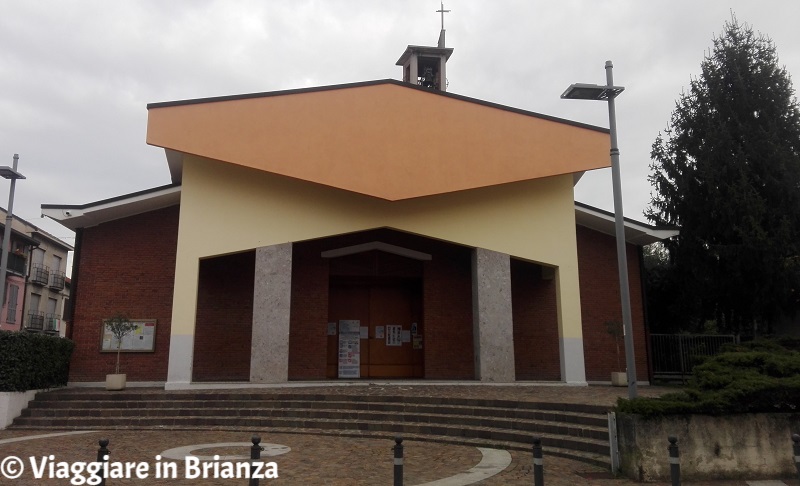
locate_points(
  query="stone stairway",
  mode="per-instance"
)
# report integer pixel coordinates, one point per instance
(575, 431)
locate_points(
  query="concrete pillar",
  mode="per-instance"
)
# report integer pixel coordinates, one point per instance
(493, 327)
(570, 329)
(272, 296)
(184, 312)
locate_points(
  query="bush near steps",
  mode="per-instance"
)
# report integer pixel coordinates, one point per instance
(756, 377)
(33, 361)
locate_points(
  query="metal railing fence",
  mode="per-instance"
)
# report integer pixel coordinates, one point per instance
(675, 355)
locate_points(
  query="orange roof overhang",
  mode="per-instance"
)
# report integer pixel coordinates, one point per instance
(385, 139)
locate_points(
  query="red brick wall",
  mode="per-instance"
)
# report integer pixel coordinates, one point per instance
(533, 302)
(600, 302)
(126, 265)
(447, 301)
(223, 332)
(308, 339)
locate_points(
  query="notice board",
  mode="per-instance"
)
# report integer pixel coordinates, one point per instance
(141, 340)
(349, 349)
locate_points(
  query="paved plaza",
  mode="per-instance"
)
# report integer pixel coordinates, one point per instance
(314, 457)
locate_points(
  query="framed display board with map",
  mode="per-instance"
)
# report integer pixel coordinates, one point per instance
(141, 340)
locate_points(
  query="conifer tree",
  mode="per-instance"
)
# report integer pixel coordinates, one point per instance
(727, 171)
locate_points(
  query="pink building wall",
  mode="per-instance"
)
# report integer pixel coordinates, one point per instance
(18, 323)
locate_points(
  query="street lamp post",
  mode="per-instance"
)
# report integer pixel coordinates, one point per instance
(7, 172)
(608, 93)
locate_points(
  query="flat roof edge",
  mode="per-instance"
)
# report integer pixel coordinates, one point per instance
(111, 200)
(636, 232)
(269, 94)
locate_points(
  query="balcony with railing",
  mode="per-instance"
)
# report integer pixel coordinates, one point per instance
(52, 323)
(57, 280)
(17, 263)
(35, 321)
(40, 274)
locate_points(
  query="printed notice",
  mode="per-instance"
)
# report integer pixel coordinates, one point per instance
(349, 349)
(394, 335)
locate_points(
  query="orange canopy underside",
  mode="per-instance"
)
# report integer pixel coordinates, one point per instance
(384, 139)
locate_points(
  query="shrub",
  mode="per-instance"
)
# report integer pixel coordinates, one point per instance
(120, 326)
(33, 361)
(762, 376)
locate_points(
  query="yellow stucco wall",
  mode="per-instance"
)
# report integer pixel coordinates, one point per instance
(226, 208)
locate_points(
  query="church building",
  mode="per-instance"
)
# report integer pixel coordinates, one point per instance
(328, 234)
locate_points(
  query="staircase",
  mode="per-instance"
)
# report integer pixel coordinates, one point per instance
(574, 431)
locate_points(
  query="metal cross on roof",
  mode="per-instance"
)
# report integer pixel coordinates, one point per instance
(442, 11)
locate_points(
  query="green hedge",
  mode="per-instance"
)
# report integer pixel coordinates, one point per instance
(31, 361)
(758, 377)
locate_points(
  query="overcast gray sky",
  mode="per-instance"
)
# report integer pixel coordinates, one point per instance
(75, 76)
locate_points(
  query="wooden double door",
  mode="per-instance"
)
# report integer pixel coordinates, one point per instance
(389, 315)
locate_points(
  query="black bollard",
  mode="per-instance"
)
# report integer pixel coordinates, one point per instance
(674, 461)
(398, 461)
(538, 462)
(102, 456)
(255, 455)
(796, 447)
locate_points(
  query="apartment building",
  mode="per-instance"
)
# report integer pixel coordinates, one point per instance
(37, 290)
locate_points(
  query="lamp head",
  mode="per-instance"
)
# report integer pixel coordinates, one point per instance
(7, 172)
(582, 91)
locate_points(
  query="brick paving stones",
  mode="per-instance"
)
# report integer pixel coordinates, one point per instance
(337, 460)
(313, 460)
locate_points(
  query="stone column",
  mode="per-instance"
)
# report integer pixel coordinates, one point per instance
(493, 328)
(272, 296)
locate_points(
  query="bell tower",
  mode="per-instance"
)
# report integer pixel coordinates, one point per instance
(425, 65)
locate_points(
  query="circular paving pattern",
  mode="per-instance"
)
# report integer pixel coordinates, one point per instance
(301, 458)
(180, 453)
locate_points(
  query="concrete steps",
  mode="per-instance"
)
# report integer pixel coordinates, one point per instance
(568, 430)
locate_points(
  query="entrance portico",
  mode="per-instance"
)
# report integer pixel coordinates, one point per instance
(451, 305)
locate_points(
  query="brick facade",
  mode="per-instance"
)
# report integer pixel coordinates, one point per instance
(126, 265)
(224, 318)
(447, 302)
(600, 302)
(446, 297)
(533, 304)
(308, 340)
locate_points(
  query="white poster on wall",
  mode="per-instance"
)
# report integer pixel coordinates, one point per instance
(394, 335)
(349, 349)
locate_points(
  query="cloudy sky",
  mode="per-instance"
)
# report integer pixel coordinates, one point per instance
(75, 76)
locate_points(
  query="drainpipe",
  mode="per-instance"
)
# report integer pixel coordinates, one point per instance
(13, 175)
(73, 290)
(646, 312)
